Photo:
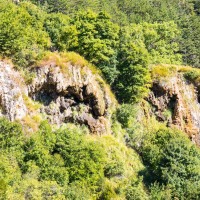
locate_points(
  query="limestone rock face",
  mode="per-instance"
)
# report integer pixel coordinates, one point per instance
(72, 96)
(12, 89)
(176, 101)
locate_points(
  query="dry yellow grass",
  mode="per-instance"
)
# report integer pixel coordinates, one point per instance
(63, 59)
(166, 70)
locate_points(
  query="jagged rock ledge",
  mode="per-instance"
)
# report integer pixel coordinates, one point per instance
(175, 100)
(12, 88)
(75, 95)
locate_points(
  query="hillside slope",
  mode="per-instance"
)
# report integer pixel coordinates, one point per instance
(174, 98)
(91, 138)
(96, 106)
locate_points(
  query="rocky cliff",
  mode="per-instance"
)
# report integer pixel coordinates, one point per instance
(74, 94)
(174, 100)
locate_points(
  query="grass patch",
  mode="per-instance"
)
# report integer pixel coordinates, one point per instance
(31, 123)
(64, 59)
(30, 104)
(159, 72)
(27, 75)
(193, 75)
(163, 71)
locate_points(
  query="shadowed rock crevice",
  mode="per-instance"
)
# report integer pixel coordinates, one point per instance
(176, 102)
(73, 94)
(73, 97)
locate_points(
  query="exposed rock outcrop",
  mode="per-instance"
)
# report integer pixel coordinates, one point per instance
(12, 88)
(73, 95)
(175, 100)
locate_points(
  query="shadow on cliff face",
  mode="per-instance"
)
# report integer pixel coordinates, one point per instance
(161, 101)
(68, 99)
(46, 95)
(76, 97)
(176, 102)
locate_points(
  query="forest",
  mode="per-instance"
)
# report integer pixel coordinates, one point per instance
(122, 40)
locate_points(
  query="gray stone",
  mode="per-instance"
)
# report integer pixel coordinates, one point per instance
(12, 89)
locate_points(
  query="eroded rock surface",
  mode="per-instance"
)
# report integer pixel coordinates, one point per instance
(175, 100)
(12, 89)
(72, 96)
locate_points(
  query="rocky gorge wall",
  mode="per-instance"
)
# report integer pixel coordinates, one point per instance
(76, 95)
(174, 100)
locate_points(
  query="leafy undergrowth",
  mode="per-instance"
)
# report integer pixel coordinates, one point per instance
(66, 164)
(69, 163)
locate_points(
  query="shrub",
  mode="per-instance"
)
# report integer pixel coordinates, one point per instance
(22, 37)
(163, 71)
(172, 160)
(83, 159)
(11, 136)
(135, 190)
(193, 76)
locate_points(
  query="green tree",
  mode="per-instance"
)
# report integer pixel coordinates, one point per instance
(11, 136)
(161, 41)
(63, 35)
(133, 80)
(22, 37)
(83, 159)
(172, 160)
(190, 40)
(97, 41)
(39, 153)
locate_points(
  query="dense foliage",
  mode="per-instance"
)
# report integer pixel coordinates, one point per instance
(69, 164)
(21, 33)
(63, 164)
(121, 43)
(184, 13)
(122, 39)
(173, 162)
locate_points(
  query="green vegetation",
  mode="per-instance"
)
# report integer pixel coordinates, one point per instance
(159, 72)
(128, 43)
(185, 14)
(121, 43)
(70, 164)
(193, 76)
(22, 36)
(66, 163)
(173, 162)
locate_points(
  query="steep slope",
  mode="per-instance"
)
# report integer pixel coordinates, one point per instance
(66, 162)
(11, 91)
(174, 100)
(67, 93)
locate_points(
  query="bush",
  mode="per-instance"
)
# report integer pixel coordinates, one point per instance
(98, 41)
(83, 159)
(126, 114)
(63, 35)
(78, 191)
(134, 78)
(135, 190)
(172, 160)
(193, 76)
(11, 136)
(22, 37)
